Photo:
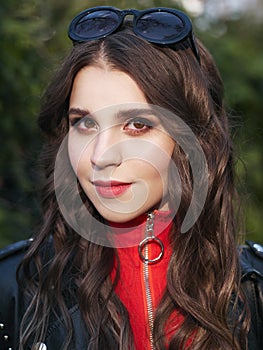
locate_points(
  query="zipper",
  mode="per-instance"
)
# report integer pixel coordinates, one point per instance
(148, 296)
(144, 255)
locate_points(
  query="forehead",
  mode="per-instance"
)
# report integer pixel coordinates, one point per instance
(95, 88)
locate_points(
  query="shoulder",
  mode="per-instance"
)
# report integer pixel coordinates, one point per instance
(251, 260)
(10, 258)
(14, 250)
(11, 303)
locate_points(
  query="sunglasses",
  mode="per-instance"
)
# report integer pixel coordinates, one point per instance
(163, 26)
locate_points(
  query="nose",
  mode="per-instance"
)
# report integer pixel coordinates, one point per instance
(106, 150)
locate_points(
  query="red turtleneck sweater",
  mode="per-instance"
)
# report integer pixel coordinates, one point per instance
(131, 287)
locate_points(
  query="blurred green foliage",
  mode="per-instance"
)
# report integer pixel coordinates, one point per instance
(34, 40)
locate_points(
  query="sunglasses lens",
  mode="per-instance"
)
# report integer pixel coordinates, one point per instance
(161, 27)
(96, 24)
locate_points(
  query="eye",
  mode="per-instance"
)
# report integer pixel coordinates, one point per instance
(138, 125)
(88, 123)
(85, 124)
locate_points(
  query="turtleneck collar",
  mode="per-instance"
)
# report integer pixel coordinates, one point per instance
(131, 233)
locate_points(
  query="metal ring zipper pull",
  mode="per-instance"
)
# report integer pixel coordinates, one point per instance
(147, 241)
(150, 238)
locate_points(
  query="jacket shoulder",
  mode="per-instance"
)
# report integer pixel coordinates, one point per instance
(251, 260)
(10, 258)
(11, 301)
(15, 249)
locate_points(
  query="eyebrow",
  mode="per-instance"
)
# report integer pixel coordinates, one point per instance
(121, 115)
(134, 112)
(78, 111)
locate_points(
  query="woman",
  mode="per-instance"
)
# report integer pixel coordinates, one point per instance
(137, 248)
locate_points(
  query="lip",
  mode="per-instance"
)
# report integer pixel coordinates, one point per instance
(111, 189)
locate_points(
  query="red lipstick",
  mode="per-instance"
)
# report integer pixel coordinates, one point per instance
(111, 189)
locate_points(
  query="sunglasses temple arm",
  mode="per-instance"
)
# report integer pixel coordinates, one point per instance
(194, 47)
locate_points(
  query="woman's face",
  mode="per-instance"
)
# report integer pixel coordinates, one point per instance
(118, 147)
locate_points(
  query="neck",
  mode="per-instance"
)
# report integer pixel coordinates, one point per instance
(132, 233)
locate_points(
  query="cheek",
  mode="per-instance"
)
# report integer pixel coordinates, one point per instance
(157, 171)
(81, 167)
(158, 162)
(166, 162)
(79, 151)
(154, 174)
(74, 159)
(84, 170)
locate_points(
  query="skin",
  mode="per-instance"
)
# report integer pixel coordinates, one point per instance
(117, 145)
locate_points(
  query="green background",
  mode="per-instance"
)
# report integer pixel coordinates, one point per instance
(34, 41)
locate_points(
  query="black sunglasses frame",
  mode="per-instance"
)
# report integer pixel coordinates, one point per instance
(186, 33)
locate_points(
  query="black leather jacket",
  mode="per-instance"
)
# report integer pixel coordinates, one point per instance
(12, 303)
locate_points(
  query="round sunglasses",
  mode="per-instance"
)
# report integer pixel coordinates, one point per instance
(163, 26)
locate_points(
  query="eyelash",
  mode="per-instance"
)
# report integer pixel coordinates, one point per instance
(146, 125)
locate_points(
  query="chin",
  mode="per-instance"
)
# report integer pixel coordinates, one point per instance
(120, 217)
